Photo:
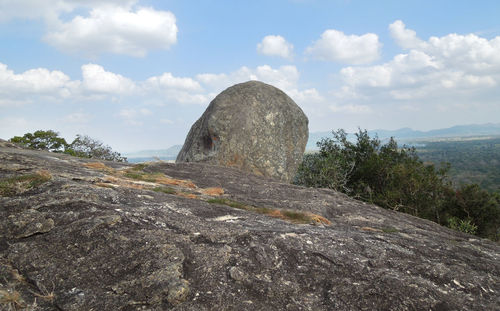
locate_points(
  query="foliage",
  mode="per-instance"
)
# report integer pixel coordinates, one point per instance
(41, 140)
(479, 207)
(473, 161)
(87, 147)
(462, 225)
(83, 146)
(386, 175)
(395, 178)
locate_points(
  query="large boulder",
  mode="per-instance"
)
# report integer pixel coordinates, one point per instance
(252, 126)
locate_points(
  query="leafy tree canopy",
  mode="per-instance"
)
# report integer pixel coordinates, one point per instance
(394, 177)
(83, 145)
(42, 140)
(87, 147)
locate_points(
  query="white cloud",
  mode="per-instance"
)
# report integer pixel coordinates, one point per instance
(104, 26)
(405, 38)
(336, 46)
(19, 88)
(439, 74)
(285, 78)
(114, 29)
(351, 109)
(467, 52)
(97, 80)
(275, 46)
(168, 81)
(178, 89)
(452, 65)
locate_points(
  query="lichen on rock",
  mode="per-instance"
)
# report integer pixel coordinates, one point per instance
(72, 244)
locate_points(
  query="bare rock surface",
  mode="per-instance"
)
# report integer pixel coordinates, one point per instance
(252, 126)
(112, 236)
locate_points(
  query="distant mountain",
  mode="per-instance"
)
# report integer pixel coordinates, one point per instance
(403, 135)
(151, 155)
(408, 135)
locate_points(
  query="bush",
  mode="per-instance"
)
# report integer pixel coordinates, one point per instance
(42, 140)
(87, 147)
(83, 146)
(461, 225)
(395, 178)
(386, 175)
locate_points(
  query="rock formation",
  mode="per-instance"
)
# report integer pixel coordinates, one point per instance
(252, 126)
(76, 234)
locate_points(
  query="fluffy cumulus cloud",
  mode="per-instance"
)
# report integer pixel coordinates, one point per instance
(23, 87)
(285, 78)
(452, 65)
(168, 81)
(104, 26)
(336, 46)
(116, 30)
(275, 46)
(98, 80)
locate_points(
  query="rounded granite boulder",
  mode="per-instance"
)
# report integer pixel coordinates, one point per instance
(252, 126)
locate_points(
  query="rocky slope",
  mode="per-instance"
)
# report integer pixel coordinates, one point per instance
(76, 234)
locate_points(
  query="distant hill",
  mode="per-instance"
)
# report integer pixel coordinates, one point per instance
(405, 135)
(151, 155)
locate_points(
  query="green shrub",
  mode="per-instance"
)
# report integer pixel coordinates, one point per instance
(462, 225)
(395, 178)
(42, 140)
(82, 146)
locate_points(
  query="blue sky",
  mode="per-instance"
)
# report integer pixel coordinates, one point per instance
(137, 74)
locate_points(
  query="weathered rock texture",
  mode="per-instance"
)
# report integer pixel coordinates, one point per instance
(95, 236)
(252, 126)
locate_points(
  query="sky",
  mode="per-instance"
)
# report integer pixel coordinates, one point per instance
(136, 74)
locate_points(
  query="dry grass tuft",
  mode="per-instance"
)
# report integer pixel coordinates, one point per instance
(106, 185)
(11, 300)
(175, 182)
(320, 219)
(45, 294)
(100, 167)
(296, 217)
(187, 195)
(214, 191)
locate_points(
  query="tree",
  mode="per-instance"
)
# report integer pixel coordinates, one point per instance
(386, 175)
(87, 147)
(470, 203)
(394, 177)
(83, 146)
(42, 140)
